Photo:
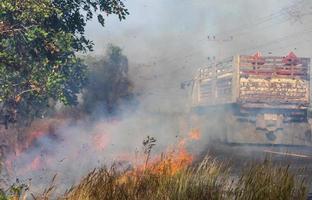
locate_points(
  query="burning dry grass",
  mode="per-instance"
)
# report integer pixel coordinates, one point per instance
(207, 180)
(161, 180)
(174, 176)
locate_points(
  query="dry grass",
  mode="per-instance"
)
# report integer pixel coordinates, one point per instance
(208, 180)
(268, 182)
(161, 180)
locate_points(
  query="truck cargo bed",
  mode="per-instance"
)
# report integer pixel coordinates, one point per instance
(255, 81)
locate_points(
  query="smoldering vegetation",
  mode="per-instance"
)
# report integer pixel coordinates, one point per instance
(209, 179)
(170, 178)
(107, 126)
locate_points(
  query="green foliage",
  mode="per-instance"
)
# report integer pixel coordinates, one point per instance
(39, 39)
(109, 83)
(16, 191)
(3, 196)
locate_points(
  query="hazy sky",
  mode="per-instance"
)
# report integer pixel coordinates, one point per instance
(152, 23)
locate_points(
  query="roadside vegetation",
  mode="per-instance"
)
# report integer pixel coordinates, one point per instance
(208, 179)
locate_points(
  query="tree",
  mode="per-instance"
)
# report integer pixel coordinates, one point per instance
(109, 84)
(39, 42)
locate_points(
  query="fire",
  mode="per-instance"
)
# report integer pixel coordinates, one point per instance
(35, 164)
(178, 159)
(100, 141)
(37, 130)
(168, 164)
(172, 161)
(9, 166)
(27, 140)
(194, 134)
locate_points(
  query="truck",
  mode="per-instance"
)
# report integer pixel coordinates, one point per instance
(254, 99)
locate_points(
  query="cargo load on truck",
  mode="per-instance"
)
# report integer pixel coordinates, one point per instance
(261, 99)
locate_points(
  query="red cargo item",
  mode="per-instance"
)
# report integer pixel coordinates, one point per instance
(291, 59)
(258, 59)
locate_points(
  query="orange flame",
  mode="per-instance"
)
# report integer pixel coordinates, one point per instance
(38, 129)
(174, 160)
(35, 164)
(194, 134)
(178, 159)
(100, 141)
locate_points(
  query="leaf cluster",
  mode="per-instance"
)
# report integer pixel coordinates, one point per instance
(38, 46)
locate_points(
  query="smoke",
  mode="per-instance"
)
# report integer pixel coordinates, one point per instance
(165, 42)
(75, 148)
